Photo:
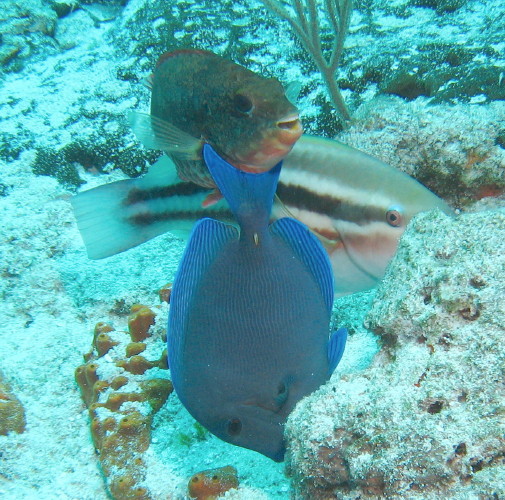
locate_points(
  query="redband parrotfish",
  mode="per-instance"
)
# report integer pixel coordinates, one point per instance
(199, 97)
(356, 204)
(249, 316)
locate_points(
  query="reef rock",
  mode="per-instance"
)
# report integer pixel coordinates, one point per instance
(27, 28)
(12, 413)
(458, 152)
(426, 420)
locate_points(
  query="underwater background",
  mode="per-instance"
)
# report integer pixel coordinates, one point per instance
(416, 408)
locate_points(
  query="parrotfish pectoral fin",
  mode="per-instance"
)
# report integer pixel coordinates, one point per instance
(246, 193)
(212, 198)
(105, 215)
(336, 347)
(155, 133)
(293, 92)
(206, 241)
(308, 249)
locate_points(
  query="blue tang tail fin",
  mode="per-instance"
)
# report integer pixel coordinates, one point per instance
(336, 347)
(250, 195)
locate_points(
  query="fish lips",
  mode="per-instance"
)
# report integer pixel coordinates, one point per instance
(275, 144)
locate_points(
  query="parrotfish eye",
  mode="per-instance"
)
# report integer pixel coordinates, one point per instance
(394, 217)
(242, 103)
(234, 427)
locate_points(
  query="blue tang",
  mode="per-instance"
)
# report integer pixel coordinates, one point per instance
(248, 332)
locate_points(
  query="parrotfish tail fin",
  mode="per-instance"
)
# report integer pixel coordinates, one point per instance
(205, 242)
(336, 347)
(310, 251)
(120, 215)
(248, 194)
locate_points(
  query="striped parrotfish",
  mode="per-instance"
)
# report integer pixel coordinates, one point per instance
(357, 205)
(199, 97)
(249, 316)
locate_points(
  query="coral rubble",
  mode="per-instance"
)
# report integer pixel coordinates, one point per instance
(426, 419)
(12, 413)
(124, 383)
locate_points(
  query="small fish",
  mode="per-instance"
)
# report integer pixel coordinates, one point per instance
(357, 205)
(249, 316)
(199, 97)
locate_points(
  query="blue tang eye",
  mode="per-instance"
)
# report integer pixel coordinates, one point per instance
(234, 427)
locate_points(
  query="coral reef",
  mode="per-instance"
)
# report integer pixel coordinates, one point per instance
(456, 151)
(425, 419)
(210, 484)
(12, 413)
(165, 292)
(27, 29)
(123, 383)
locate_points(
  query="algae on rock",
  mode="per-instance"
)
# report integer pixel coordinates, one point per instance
(12, 413)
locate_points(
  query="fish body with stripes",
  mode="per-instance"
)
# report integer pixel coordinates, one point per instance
(357, 205)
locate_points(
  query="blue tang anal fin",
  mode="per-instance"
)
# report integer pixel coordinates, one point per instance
(205, 242)
(310, 251)
(336, 347)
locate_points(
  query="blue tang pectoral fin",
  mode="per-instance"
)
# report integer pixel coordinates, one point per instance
(310, 251)
(336, 347)
(205, 243)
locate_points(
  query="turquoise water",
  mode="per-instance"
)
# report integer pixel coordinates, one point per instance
(415, 409)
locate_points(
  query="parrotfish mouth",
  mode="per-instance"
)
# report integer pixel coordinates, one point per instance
(292, 125)
(275, 145)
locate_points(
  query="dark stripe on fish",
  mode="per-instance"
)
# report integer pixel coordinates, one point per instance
(305, 199)
(137, 195)
(147, 218)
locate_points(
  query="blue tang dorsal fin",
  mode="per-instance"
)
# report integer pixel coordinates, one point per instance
(310, 251)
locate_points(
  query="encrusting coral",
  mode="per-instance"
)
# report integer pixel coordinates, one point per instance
(12, 413)
(210, 484)
(124, 383)
(426, 419)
